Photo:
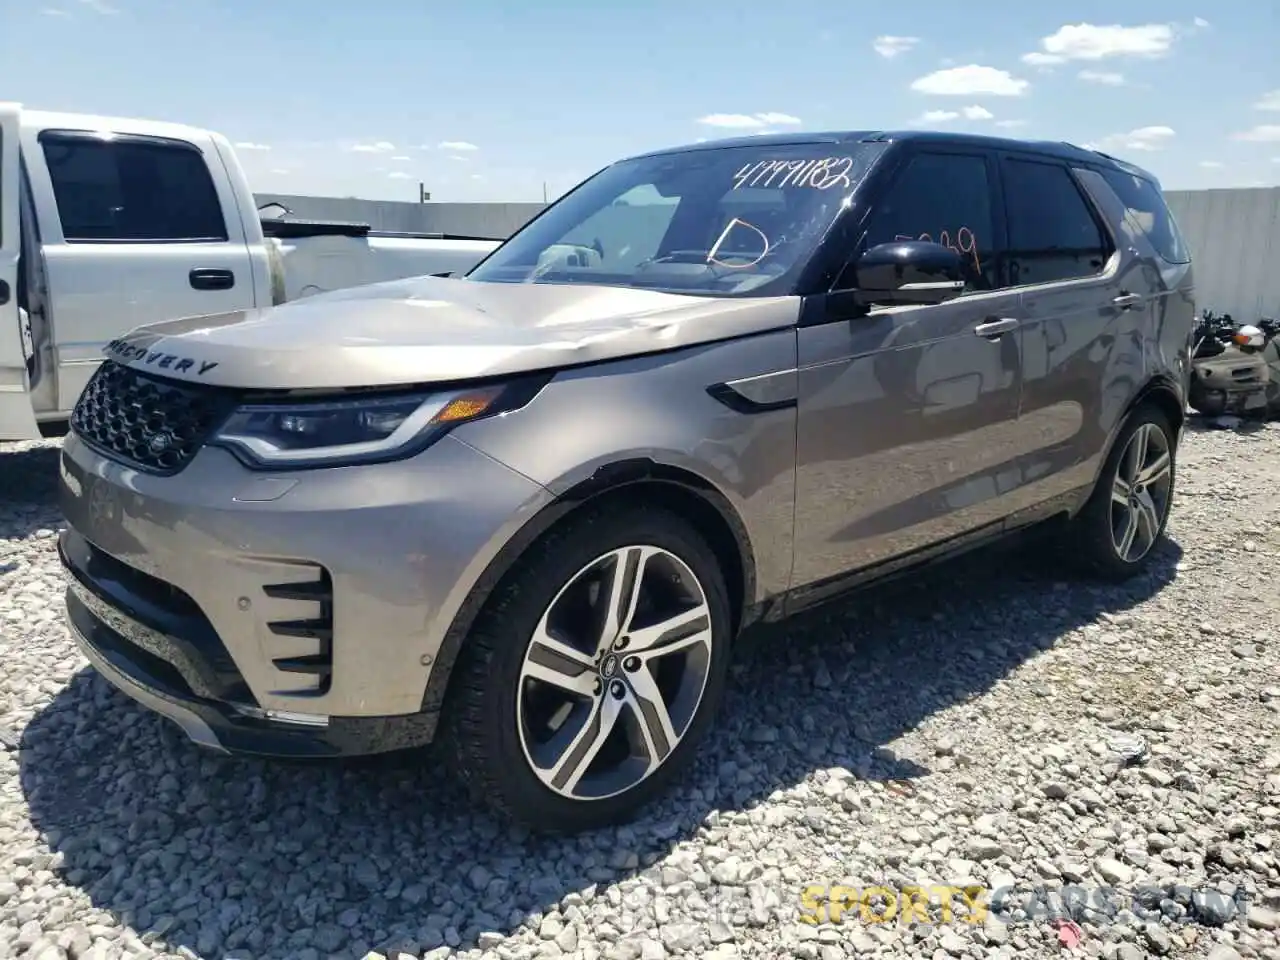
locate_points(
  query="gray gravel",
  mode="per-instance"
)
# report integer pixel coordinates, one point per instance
(1108, 758)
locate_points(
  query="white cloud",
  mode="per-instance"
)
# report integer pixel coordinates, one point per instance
(969, 81)
(1200, 22)
(253, 147)
(1087, 41)
(1037, 59)
(100, 6)
(930, 117)
(1103, 77)
(399, 175)
(401, 159)
(458, 146)
(1009, 124)
(1266, 133)
(779, 119)
(748, 121)
(459, 158)
(889, 46)
(54, 12)
(382, 146)
(280, 171)
(1212, 164)
(1143, 138)
(1269, 101)
(477, 176)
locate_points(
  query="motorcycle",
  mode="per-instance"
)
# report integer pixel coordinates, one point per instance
(1229, 374)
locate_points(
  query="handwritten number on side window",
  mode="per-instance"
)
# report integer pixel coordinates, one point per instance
(965, 244)
(821, 174)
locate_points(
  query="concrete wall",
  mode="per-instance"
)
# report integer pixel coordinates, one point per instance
(498, 220)
(1234, 236)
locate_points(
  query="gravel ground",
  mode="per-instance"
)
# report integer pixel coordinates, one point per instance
(1107, 759)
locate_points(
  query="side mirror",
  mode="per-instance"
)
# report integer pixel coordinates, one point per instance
(908, 271)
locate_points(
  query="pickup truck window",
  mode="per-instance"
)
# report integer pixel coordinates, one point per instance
(132, 189)
(727, 221)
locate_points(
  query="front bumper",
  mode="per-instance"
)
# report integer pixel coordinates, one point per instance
(113, 642)
(292, 613)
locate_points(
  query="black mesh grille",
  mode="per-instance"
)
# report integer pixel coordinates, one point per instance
(151, 424)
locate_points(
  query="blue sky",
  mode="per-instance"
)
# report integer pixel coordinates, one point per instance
(489, 100)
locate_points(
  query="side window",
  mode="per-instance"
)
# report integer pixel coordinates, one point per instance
(1150, 214)
(945, 198)
(1052, 232)
(132, 191)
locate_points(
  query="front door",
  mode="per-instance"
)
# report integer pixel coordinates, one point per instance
(908, 431)
(16, 419)
(137, 230)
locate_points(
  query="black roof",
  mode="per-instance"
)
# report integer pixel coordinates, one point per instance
(1055, 148)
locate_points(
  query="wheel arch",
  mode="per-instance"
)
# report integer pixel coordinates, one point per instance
(685, 493)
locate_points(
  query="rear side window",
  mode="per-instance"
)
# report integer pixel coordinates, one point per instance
(132, 190)
(1149, 213)
(945, 198)
(1053, 234)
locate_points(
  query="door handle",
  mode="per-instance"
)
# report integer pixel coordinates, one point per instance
(1126, 300)
(4, 292)
(208, 278)
(994, 329)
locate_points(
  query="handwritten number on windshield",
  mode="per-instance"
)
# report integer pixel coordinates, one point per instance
(965, 244)
(821, 174)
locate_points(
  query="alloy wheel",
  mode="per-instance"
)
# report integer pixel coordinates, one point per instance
(614, 673)
(1140, 492)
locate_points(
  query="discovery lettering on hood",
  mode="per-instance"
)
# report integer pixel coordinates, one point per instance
(129, 353)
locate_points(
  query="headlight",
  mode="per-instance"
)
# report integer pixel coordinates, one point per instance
(367, 429)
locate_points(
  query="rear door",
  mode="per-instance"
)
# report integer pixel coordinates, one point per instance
(1084, 319)
(908, 415)
(16, 419)
(136, 230)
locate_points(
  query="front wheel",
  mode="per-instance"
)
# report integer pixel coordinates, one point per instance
(1117, 531)
(594, 671)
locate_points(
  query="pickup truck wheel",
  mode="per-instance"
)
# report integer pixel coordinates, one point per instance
(593, 673)
(1119, 528)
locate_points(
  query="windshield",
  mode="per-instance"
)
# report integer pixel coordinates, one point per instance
(729, 221)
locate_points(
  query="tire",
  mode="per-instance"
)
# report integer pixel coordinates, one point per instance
(1096, 534)
(499, 720)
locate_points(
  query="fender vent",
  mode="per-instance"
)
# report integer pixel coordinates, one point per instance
(310, 660)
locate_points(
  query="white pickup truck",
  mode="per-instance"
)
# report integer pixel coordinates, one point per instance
(108, 223)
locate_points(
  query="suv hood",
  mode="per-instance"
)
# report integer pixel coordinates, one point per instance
(433, 329)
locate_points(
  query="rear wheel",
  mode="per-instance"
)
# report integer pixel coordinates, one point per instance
(594, 671)
(1119, 528)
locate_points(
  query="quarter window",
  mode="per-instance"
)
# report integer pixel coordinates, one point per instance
(1147, 209)
(1053, 235)
(945, 198)
(130, 190)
